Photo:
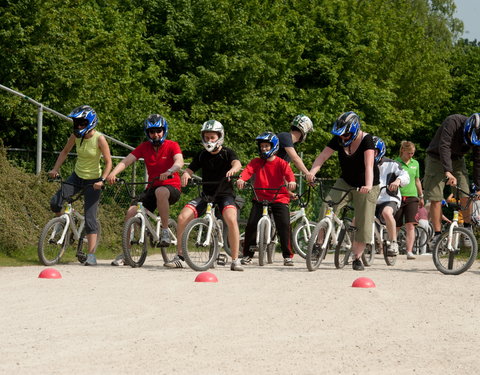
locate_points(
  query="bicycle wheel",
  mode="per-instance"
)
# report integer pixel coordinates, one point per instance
(272, 246)
(402, 241)
(300, 238)
(421, 238)
(134, 252)
(368, 255)
(344, 246)
(242, 223)
(262, 244)
(49, 250)
(390, 260)
(168, 252)
(462, 255)
(82, 247)
(199, 255)
(315, 252)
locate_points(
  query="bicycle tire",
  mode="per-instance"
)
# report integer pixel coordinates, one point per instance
(134, 252)
(315, 253)
(197, 256)
(262, 244)
(390, 260)
(272, 246)
(402, 241)
(342, 251)
(461, 258)
(169, 252)
(82, 247)
(368, 255)
(419, 234)
(301, 239)
(242, 223)
(49, 252)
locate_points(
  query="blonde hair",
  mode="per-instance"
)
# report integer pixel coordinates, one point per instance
(406, 146)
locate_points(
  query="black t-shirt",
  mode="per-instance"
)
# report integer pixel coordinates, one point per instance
(214, 168)
(353, 166)
(285, 140)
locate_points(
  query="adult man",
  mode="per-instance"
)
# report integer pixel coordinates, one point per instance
(445, 161)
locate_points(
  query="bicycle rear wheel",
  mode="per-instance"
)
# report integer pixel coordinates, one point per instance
(198, 254)
(462, 255)
(169, 252)
(315, 252)
(134, 252)
(421, 239)
(49, 250)
(301, 237)
(344, 246)
(82, 247)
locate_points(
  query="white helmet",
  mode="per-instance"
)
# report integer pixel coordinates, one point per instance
(212, 126)
(303, 124)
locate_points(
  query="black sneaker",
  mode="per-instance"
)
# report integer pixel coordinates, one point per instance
(357, 265)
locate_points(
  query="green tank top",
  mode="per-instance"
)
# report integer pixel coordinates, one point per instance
(88, 159)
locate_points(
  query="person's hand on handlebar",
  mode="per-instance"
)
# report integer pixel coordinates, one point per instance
(365, 189)
(240, 183)
(53, 173)
(291, 185)
(185, 178)
(450, 179)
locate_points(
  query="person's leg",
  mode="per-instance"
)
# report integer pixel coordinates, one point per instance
(387, 215)
(410, 231)
(92, 199)
(281, 215)
(251, 231)
(230, 217)
(162, 194)
(436, 215)
(187, 214)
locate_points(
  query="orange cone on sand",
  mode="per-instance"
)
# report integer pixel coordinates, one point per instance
(50, 273)
(206, 277)
(363, 282)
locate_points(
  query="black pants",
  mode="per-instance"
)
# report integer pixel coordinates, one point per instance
(281, 216)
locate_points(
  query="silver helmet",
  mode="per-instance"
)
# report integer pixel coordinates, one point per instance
(213, 126)
(303, 124)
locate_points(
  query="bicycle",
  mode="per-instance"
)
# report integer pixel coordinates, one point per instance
(62, 231)
(203, 237)
(143, 229)
(380, 238)
(303, 231)
(456, 249)
(332, 231)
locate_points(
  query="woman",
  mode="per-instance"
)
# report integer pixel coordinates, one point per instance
(90, 145)
(356, 153)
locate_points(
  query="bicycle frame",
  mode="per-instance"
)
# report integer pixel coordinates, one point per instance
(143, 214)
(212, 224)
(268, 222)
(334, 228)
(70, 211)
(452, 243)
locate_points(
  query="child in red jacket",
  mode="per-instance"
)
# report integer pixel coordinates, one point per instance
(270, 172)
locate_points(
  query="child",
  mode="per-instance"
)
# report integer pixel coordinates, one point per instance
(216, 162)
(392, 176)
(422, 219)
(270, 172)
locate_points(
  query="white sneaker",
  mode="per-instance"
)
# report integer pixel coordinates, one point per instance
(176, 262)
(118, 261)
(393, 249)
(410, 255)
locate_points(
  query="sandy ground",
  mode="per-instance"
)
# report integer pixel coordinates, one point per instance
(266, 320)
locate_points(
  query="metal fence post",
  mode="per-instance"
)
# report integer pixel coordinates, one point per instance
(38, 168)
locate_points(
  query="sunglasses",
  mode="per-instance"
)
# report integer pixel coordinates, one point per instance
(80, 123)
(155, 130)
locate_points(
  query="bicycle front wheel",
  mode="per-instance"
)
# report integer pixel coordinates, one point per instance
(390, 260)
(134, 252)
(315, 250)
(169, 252)
(50, 251)
(82, 248)
(344, 247)
(301, 238)
(460, 257)
(262, 244)
(198, 253)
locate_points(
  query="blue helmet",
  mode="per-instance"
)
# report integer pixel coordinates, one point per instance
(270, 138)
(84, 120)
(471, 130)
(348, 122)
(156, 122)
(380, 147)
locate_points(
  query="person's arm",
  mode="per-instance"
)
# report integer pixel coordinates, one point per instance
(236, 166)
(322, 158)
(245, 175)
(107, 158)
(124, 163)
(369, 159)
(445, 149)
(177, 165)
(186, 176)
(54, 172)
(290, 178)
(298, 162)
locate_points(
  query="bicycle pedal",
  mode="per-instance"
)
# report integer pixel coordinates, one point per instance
(82, 257)
(222, 259)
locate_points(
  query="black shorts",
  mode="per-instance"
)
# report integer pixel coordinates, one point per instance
(149, 199)
(199, 205)
(407, 211)
(381, 206)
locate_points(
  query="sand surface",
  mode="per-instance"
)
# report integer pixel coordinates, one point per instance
(266, 320)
